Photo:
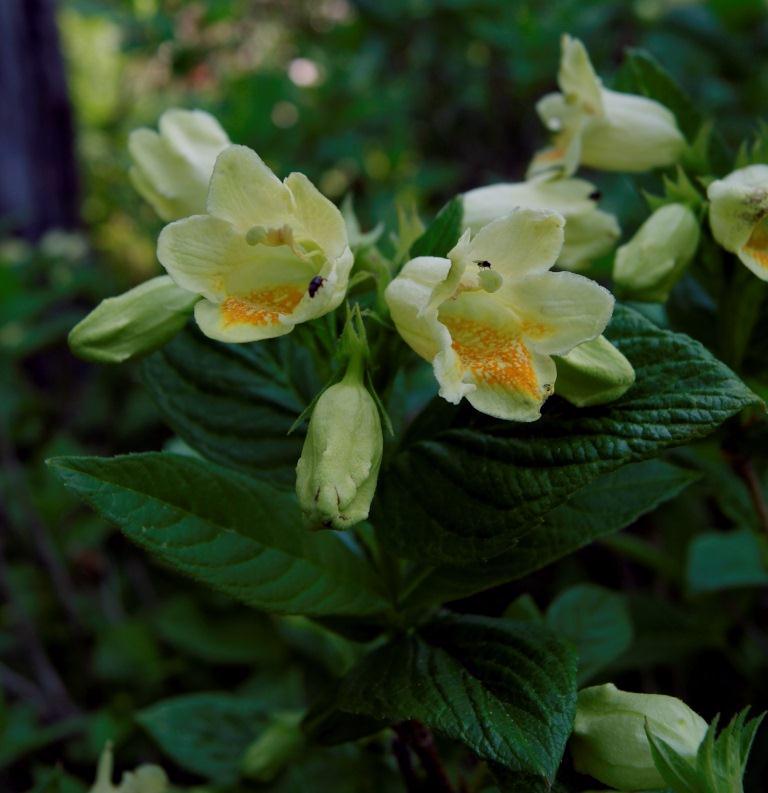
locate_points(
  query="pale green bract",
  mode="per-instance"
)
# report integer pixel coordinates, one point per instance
(589, 232)
(267, 256)
(603, 129)
(493, 342)
(172, 168)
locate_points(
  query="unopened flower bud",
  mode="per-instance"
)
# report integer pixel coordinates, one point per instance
(136, 322)
(609, 740)
(336, 475)
(280, 742)
(593, 373)
(650, 264)
(738, 215)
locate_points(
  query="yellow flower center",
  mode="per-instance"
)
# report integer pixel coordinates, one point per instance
(262, 306)
(494, 356)
(757, 244)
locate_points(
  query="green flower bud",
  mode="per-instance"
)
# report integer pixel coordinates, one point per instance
(650, 264)
(609, 740)
(280, 742)
(593, 373)
(336, 475)
(136, 322)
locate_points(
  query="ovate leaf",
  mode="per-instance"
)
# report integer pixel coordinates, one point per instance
(234, 403)
(505, 689)
(228, 531)
(718, 561)
(206, 733)
(596, 621)
(603, 507)
(471, 492)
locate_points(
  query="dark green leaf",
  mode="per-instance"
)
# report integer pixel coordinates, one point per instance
(505, 689)
(234, 403)
(468, 494)
(603, 507)
(596, 621)
(206, 733)
(443, 233)
(235, 534)
(718, 561)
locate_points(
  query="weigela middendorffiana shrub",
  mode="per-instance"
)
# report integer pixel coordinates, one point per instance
(377, 424)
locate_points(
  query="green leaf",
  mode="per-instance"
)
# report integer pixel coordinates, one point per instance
(469, 493)
(234, 403)
(718, 561)
(233, 533)
(505, 689)
(603, 507)
(443, 233)
(596, 620)
(675, 769)
(206, 733)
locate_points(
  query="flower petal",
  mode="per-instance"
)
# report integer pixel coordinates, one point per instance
(319, 219)
(754, 254)
(199, 252)
(196, 136)
(245, 192)
(240, 320)
(525, 241)
(511, 380)
(559, 310)
(577, 78)
(587, 237)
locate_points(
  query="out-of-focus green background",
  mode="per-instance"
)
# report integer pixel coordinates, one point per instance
(381, 98)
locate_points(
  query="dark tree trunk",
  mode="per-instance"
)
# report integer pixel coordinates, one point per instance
(38, 174)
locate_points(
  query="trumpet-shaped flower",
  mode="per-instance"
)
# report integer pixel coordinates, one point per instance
(267, 256)
(172, 168)
(601, 128)
(589, 232)
(145, 779)
(491, 315)
(738, 216)
(593, 373)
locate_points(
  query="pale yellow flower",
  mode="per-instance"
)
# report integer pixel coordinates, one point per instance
(589, 232)
(738, 216)
(267, 256)
(604, 129)
(490, 316)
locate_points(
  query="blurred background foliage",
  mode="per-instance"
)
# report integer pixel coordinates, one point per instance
(419, 98)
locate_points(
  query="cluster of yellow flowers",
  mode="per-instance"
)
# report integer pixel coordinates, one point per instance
(253, 256)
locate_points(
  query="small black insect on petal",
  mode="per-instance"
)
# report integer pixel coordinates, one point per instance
(315, 284)
(482, 263)
(595, 195)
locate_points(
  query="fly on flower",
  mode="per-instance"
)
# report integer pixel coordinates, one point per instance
(495, 346)
(267, 256)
